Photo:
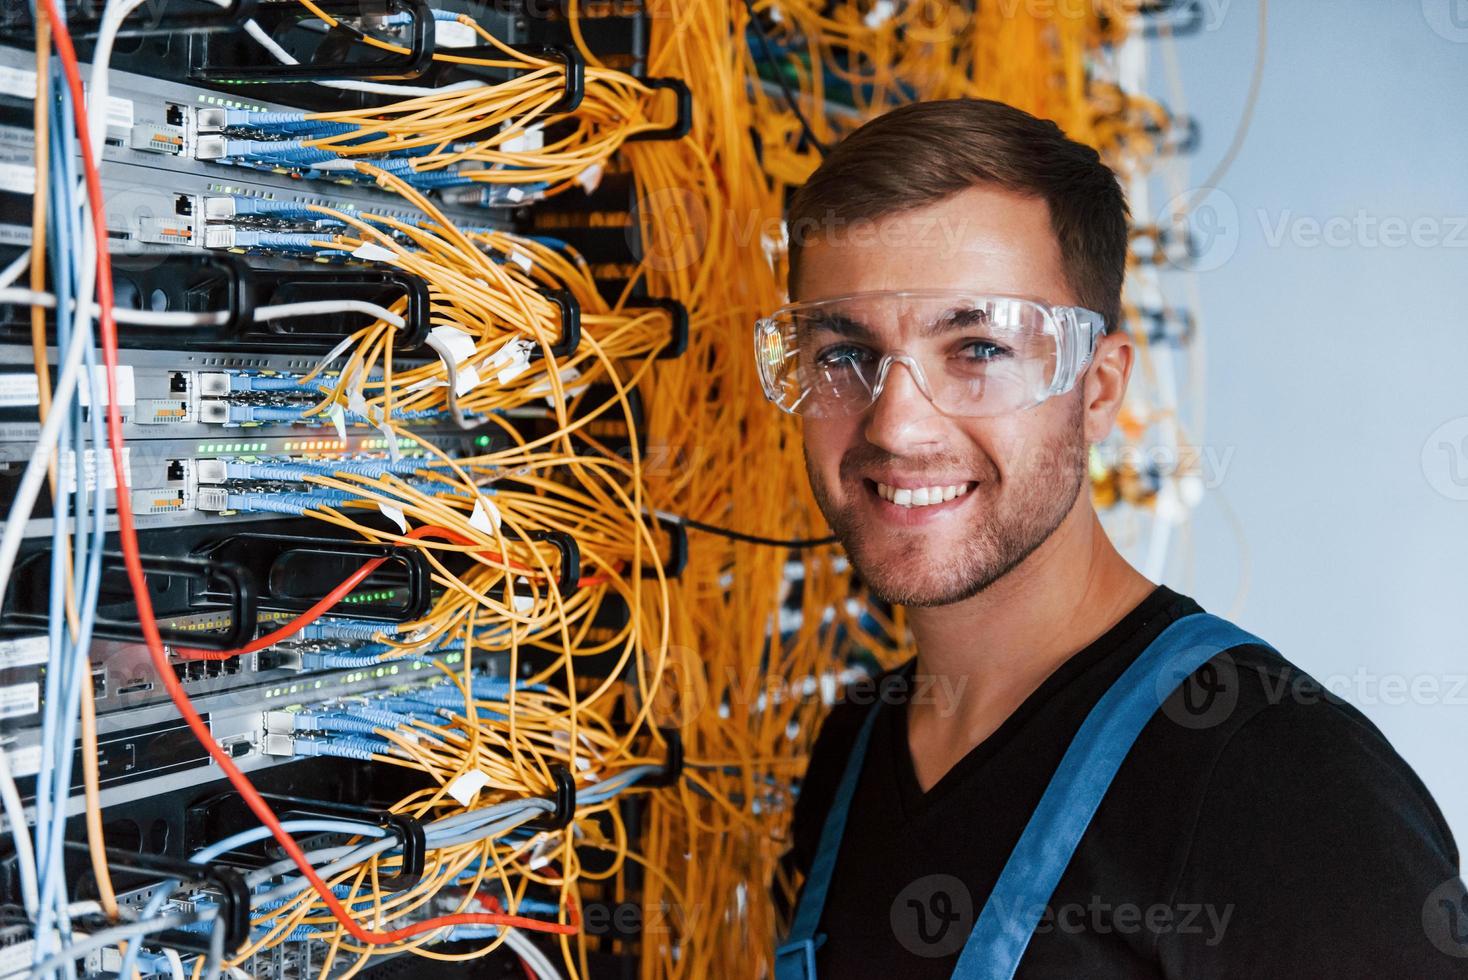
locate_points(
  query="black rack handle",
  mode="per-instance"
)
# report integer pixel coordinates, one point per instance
(570, 336)
(417, 61)
(240, 593)
(232, 893)
(677, 560)
(419, 582)
(564, 799)
(677, 344)
(682, 123)
(268, 283)
(575, 65)
(568, 580)
(407, 829)
(672, 763)
(172, 272)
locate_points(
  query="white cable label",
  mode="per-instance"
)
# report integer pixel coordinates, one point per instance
(126, 392)
(467, 785)
(590, 177)
(459, 343)
(370, 252)
(467, 380)
(26, 761)
(119, 117)
(17, 178)
(452, 34)
(18, 390)
(512, 359)
(17, 957)
(19, 700)
(89, 465)
(24, 652)
(567, 375)
(18, 82)
(339, 420)
(394, 515)
(486, 517)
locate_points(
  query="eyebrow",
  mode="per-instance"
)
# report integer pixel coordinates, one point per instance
(956, 319)
(841, 325)
(844, 326)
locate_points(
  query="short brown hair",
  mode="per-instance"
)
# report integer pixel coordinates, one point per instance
(923, 152)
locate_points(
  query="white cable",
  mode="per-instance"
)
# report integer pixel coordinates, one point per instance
(373, 88)
(531, 954)
(34, 476)
(173, 318)
(149, 318)
(12, 271)
(282, 310)
(20, 831)
(35, 472)
(112, 18)
(175, 965)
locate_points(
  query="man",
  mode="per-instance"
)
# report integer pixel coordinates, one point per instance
(953, 350)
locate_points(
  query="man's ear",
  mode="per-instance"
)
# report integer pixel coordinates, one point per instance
(1104, 384)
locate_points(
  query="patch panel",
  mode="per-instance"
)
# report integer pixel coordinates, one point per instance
(296, 637)
(185, 129)
(236, 715)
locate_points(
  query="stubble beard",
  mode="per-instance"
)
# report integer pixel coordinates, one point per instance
(913, 567)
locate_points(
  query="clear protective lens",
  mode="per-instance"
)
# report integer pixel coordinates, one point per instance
(972, 354)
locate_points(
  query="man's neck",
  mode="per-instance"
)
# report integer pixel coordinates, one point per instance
(992, 650)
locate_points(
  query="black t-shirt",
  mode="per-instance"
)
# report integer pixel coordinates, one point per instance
(1259, 827)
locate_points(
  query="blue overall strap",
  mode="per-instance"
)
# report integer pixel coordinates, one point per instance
(1028, 880)
(795, 959)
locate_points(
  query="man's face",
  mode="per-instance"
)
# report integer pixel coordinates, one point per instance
(1021, 472)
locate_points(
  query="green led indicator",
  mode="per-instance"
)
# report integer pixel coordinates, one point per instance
(481, 441)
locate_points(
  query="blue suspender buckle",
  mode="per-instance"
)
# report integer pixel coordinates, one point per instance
(796, 960)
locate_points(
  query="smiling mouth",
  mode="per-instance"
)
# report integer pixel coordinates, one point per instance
(921, 496)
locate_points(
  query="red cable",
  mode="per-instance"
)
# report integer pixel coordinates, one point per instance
(294, 626)
(539, 925)
(325, 604)
(322, 607)
(127, 533)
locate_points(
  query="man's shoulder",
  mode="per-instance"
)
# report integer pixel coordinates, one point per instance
(1278, 735)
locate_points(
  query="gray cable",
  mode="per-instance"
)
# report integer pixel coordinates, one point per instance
(109, 937)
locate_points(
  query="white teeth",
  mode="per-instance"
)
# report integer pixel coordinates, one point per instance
(921, 496)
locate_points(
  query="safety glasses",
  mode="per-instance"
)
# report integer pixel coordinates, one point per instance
(971, 354)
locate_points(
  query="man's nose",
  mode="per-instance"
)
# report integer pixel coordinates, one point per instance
(902, 418)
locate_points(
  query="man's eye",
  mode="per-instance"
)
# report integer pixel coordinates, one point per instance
(977, 351)
(843, 355)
